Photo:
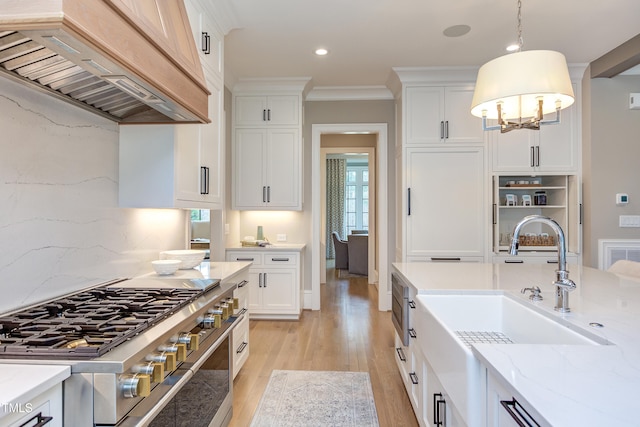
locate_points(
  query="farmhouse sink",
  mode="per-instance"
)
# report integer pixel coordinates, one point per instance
(448, 324)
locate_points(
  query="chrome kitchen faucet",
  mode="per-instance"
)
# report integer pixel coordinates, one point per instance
(563, 284)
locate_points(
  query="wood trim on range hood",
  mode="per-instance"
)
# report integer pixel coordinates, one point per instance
(132, 61)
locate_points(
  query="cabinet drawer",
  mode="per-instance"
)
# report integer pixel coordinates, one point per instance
(240, 345)
(280, 259)
(254, 257)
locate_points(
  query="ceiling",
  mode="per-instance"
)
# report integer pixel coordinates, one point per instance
(366, 38)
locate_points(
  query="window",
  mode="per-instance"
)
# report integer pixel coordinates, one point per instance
(198, 215)
(357, 198)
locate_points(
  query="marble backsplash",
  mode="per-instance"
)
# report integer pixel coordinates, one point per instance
(60, 225)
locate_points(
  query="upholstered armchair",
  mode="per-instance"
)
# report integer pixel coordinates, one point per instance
(341, 251)
(359, 254)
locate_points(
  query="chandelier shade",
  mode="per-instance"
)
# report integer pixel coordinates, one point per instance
(514, 84)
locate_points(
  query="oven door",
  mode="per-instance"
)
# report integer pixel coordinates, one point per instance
(197, 394)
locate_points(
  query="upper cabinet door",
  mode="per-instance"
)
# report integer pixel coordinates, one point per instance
(276, 110)
(425, 115)
(437, 115)
(460, 125)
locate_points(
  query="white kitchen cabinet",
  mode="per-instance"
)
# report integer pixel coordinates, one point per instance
(274, 283)
(505, 410)
(207, 35)
(240, 334)
(437, 115)
(553, 148)
(511, 204)
(272, 110)
(267, 169)
(444, 203)
(164, 166)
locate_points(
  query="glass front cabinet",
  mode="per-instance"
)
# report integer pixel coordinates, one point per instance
(555, 196)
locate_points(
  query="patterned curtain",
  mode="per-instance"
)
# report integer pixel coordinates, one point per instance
(336, 176)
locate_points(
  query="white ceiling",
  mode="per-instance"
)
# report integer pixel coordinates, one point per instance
(365, 38)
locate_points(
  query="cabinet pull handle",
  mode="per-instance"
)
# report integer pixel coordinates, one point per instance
(401, 355)
(408, 201)
(204, 180)
(260, 279)
(446, 129)
(537, 155)
(514, 261)
(280, 259)
(241, 347)
(444, 258)
(39, 418)
(206, 43)
(437, 400)
(264, 280)
(518, 413)
(412, 333)
(264, 194)
(495, 214)
(580, 215)
(268, 194)
(552, 261)
(533, 156)
(441, 129)
(412, 304)
(264, 115)
(269, 115)
(244, 259)
(414, 378)
(244, 282)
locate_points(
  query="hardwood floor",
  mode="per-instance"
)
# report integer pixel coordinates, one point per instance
(347, 334)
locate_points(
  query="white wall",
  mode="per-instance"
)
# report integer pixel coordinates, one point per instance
(60, 225)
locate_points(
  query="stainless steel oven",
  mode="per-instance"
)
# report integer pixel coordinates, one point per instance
(400, 307)
(143, 352)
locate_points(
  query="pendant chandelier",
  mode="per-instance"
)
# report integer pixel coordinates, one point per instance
(519, 88)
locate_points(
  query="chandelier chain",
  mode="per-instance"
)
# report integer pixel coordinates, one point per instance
(520, 41)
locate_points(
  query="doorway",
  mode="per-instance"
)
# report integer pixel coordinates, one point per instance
(359, 163)
(318, 241)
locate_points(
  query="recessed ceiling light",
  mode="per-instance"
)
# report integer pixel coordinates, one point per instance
(321, 51)
(513, 47)
(456, 30)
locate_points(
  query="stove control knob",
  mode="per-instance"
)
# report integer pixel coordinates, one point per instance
(168, 360)
(171, 351)
(192, 341)
(155, 370)
(136, 385)
(181, 354)
(225, 310)
(212, 320)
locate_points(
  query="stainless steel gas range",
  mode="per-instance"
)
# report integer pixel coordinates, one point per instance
(142, 351)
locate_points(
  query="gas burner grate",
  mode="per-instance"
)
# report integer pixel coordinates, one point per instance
(90, 323)
(483, 337)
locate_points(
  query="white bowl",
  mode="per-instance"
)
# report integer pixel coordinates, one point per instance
(189, 257)
(166, 266)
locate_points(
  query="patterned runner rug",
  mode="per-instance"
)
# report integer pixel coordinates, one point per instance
(317, 399)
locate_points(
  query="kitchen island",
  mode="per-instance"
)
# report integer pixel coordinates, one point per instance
(562, 385)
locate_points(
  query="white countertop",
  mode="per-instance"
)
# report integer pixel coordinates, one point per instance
(568, 385)
(283, 247)
(19, 384)
(206, 270)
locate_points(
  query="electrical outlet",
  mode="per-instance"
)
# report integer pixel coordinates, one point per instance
(281, 237)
